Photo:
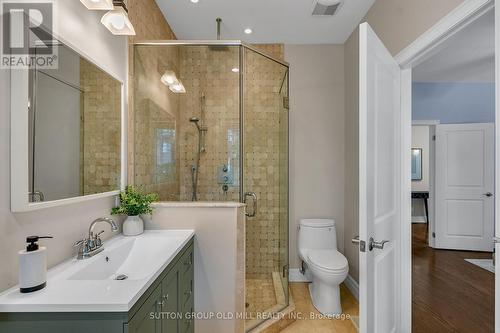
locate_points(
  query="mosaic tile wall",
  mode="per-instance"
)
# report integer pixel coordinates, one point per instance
(100, 130)
(207, 72)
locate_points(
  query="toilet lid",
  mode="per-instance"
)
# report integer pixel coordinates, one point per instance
(331, 260)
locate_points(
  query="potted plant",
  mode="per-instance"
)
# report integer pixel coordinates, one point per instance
(133, 204)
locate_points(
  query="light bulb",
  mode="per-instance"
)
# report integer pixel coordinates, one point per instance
(248, 31)
(117, 22)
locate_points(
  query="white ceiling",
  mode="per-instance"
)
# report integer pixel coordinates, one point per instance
(469, 56)
(273, 21)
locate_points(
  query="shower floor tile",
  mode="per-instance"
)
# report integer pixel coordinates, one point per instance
(260, 296)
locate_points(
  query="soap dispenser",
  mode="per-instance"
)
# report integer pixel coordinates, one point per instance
(33, 266)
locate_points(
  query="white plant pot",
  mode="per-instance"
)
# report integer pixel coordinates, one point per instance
(133, 226)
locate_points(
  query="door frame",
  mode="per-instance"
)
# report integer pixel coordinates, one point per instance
(422, 48)
(432, 170)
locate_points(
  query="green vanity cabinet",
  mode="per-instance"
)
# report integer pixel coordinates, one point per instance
(141, 321)
(165, 307)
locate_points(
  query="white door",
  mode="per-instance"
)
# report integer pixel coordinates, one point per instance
(379, 185)
(465, 186)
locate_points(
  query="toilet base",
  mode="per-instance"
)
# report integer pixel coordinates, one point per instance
(325, 298)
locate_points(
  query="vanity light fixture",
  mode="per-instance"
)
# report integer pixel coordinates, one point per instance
(172, 82)
(248, 31)
(117, 20)
(98, 4)
(169, 78)
(177, 88)
(195, 1)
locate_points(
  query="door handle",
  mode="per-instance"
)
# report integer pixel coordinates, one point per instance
(496, 240)
(254, 210)
(488, 194)
(376, 245)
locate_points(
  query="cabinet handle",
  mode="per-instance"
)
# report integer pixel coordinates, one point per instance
(188, 262)
(165, 297)
(160, 303)
(189, 292)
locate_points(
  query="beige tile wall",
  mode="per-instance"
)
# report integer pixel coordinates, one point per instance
(101, 130)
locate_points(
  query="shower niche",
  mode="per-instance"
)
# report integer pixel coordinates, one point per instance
(210, 123)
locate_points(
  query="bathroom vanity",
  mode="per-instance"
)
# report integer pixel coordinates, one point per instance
(141, 284)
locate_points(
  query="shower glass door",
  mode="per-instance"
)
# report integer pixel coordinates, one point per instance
(265, 183)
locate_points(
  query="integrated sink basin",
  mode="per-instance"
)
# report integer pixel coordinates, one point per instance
(112, 280)
(134, 258)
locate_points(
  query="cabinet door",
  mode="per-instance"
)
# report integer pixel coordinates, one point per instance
(170, 300)
(146, 320)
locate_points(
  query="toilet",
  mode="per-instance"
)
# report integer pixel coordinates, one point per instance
(323, 262)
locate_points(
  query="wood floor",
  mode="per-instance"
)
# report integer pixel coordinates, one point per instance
(450, 294)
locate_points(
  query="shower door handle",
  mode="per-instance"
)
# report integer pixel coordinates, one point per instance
(254, 210)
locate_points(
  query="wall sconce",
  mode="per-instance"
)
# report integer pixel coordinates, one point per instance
(98, 4)
(117, 20)
(172, 82)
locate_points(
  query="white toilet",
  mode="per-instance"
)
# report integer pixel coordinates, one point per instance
(327, 266)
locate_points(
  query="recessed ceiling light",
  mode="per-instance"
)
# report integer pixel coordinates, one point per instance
(235, 70)
(248, 31)
(195, 1)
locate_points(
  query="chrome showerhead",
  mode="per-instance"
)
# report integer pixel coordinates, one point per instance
(195, 121)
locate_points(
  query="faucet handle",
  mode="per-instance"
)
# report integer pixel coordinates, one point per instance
(80, 242)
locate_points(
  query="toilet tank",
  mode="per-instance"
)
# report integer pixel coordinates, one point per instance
(316, 234)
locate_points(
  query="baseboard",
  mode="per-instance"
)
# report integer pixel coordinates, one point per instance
(418, 219)
(294, 275)
(353, 286)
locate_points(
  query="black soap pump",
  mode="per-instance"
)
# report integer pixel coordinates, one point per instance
(33, 266)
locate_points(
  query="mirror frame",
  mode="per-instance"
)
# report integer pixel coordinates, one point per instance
(19, 142)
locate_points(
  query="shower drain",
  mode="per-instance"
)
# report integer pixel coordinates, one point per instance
(121, 277)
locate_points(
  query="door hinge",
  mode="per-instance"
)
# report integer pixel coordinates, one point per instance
(285, 271)
(433, 235)
(433, 138)
(286, 103)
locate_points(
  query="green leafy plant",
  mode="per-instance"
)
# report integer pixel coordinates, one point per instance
(133, 202)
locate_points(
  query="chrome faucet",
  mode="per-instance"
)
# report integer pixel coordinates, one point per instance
(89, 247)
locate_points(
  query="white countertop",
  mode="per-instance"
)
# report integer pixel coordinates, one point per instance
(201, 204)
(148, 255)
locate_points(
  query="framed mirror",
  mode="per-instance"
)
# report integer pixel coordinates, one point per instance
(68, 146)
(416, 164)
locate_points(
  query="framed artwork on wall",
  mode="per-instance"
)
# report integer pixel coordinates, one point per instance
(416, 164)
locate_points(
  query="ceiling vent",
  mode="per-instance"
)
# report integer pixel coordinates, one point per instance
(325, 7)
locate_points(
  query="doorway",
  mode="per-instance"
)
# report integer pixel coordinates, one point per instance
(452, 168)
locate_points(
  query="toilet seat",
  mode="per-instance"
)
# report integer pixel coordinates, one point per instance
(331, 261)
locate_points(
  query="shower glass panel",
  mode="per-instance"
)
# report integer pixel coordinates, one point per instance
(186, 145)
(265, 175)
(211, 124)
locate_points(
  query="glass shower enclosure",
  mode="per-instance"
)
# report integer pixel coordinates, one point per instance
(211, 124)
